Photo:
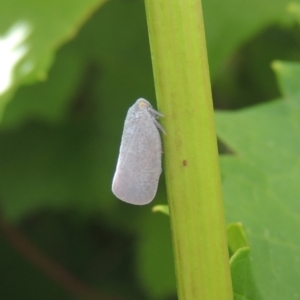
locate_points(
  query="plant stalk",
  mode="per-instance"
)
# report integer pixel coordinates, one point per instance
(183, 91)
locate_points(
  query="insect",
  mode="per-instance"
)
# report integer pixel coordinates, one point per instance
(139, 163)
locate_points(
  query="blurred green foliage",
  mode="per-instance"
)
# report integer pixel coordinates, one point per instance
(60, 132)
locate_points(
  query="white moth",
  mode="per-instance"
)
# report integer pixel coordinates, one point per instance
(139, 163)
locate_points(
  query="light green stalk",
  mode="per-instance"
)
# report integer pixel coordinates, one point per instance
(183, 92)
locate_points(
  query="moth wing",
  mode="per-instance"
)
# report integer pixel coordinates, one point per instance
(139, 164)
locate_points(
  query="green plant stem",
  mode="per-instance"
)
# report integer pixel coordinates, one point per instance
(183, 92)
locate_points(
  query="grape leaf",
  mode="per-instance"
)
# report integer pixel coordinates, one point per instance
(261, 184)
(30, 33)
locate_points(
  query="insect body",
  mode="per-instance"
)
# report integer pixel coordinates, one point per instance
(139, 163)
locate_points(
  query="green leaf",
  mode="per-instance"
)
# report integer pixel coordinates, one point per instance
(243, 284)
(50, 100)
(241, 274)
(161, 208)
(261, 184)
(29, 35)
(236, 237)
